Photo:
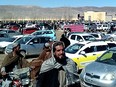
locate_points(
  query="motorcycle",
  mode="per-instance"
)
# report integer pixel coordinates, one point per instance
(17, 78)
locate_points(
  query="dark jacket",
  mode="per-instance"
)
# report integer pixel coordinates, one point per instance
(65, 40)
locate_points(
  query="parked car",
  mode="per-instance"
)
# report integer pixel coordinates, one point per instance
(29, 30)
(80, 37)
(10, 32)
(4, 44)
(99, 36)
(30, 45)
(5, 37)
(103, 27)
(102, 72)
(111, 36)
(83, 53)
(50, 33)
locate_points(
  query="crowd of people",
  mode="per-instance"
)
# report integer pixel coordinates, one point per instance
(51, 69)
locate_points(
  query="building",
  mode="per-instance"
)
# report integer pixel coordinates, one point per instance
(94, 16)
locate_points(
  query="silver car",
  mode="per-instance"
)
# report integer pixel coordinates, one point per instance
(30, 45)
(102, 72)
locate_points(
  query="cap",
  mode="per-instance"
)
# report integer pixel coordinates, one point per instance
(47, 44)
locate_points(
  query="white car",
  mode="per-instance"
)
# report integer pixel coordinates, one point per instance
(4, 44)
(80, 37)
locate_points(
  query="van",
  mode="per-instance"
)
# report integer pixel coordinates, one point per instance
(83, 53)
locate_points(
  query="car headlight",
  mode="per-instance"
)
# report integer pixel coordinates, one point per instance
(109, 76)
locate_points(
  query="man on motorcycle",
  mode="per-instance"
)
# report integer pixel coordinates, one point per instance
(13, 60)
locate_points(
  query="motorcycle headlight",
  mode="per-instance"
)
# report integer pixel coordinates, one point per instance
(25, 81)
(109, 76)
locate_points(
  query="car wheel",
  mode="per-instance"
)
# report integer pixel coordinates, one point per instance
(23, 53)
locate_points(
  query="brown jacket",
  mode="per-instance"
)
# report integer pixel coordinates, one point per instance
(10, 61)
(36, 63)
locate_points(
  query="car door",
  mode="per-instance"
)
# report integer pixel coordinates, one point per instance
(100, 49)
(86, 56)
(33, 47)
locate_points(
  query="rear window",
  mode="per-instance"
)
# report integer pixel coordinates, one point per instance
(110, 45)
(102, 47)
(95, 35)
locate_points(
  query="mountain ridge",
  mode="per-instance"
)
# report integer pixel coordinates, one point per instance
(21, 11)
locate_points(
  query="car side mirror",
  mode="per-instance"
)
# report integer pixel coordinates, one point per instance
(83, 53)
(31, 43)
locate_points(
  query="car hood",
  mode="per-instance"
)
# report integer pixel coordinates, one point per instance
(100, 69)
(4, 43)
(69, 55)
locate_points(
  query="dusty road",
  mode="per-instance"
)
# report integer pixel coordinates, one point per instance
(58, 34)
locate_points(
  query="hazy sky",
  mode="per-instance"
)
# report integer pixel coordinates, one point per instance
(60, 3)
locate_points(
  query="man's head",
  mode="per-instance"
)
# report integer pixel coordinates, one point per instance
(58, 50)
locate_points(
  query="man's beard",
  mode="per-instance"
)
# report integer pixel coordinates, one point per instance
(60, 60)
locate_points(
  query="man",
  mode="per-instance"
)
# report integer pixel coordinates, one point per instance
(65, 40)
(58, 71)
(13, 60)
(36, 63)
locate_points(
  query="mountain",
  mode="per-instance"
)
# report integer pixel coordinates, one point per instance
(33, 12)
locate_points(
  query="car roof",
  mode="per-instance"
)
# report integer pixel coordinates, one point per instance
(44, 30)
(94, 42)
(82, 34)
(35, 36)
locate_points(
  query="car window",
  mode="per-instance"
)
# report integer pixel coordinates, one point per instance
(79, 38)
(35, 40)
(11, 31)
(23, 40)
(73, 37)
(88, 38)
(44, 39)
(95, 35)
(109, 58)
(101, 48)
(1, 35)
(89, 49)
(48, 32)
(110, 45)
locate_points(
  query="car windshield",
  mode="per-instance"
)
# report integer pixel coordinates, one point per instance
(89, 38)
(109, 58)
(23, 40)
(73, 48)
